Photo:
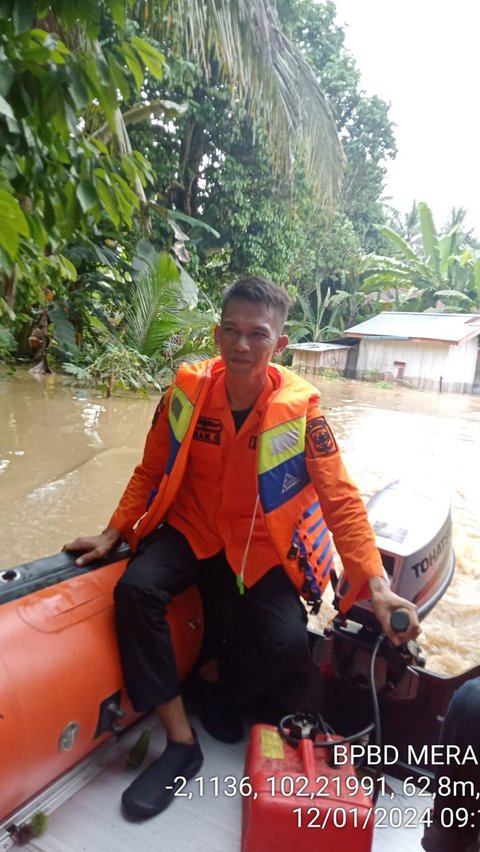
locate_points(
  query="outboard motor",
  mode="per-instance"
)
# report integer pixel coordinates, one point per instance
(366, 678)
(413, 527)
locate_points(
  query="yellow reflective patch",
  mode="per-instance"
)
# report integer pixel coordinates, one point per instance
(271, 744)
(180, 413)
(281, 443)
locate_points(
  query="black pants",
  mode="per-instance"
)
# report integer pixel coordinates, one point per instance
(259, 637)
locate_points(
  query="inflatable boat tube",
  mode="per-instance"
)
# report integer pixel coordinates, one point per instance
(62, 691)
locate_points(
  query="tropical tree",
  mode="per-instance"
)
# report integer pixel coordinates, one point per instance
(66, 68)
(218, 165)
(73, 86)
(441, 274)
(60, 86)
(241, 43)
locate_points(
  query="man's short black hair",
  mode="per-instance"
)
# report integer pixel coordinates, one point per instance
(254, 289)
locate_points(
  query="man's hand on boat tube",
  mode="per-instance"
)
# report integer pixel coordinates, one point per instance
(384, 603)
(94, 546)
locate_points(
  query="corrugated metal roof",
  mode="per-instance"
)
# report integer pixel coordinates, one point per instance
(318, 347)
(451, 328)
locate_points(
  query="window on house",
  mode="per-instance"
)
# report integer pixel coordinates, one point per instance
(399, 367)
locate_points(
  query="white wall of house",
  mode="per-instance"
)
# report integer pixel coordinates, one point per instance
(309, 360)
(425, 362)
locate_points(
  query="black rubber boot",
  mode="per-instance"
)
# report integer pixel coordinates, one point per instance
(154, 789)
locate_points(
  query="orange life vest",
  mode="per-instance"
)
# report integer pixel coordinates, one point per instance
(287, 499)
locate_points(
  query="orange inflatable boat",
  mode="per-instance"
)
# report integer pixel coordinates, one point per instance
(61, 687)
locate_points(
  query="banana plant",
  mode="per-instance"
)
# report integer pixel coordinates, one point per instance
(441, 273)
(321, 318)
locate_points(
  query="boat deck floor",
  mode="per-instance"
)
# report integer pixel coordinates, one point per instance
(91, 820)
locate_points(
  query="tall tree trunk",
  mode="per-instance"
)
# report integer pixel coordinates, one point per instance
(184, 192)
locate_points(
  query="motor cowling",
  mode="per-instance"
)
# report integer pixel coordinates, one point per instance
(413, 527)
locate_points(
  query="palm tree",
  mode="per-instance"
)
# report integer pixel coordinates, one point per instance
(263, 69)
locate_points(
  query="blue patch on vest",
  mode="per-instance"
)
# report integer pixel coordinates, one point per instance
(283, 482)
(172, 455)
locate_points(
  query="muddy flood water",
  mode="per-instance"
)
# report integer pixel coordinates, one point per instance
(66, 455)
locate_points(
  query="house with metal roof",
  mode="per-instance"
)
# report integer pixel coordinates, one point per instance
(427, 350)
(316, 357)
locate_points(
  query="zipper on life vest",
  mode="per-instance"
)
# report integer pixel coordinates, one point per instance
(241, 576)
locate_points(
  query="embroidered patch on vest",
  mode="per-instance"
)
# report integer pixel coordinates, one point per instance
(319, 438)
(208, 430)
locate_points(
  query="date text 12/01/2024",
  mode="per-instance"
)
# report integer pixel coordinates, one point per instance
(339, 816)
(363, 818)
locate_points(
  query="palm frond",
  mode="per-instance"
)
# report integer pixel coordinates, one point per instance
(153, 316)
(260, 65)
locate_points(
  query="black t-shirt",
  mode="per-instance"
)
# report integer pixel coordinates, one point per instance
(239, 417)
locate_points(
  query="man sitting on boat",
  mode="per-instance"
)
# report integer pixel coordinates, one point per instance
(240, 477)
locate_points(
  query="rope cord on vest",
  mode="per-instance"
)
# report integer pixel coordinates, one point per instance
(247, 546)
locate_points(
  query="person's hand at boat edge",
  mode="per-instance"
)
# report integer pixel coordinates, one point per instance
(93, 546)
(384, 603)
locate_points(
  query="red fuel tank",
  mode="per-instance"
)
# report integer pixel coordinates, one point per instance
(298, 802)
(60, 676)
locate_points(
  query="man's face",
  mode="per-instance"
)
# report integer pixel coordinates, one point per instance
(248, 336)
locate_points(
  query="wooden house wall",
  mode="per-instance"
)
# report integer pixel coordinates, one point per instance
(428, 364)
(310, 361)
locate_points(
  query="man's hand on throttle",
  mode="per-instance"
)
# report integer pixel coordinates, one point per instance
(384, 602)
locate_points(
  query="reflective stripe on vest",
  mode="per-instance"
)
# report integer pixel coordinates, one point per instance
(282, 476)
(281, 463)
(179, 417)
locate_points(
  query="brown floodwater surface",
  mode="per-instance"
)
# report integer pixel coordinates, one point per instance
(66, 455)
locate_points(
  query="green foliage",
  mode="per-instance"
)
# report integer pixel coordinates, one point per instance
(116, 368)
(139, 750)
(316, 308)
(7, 345)
(58, 82)
(438, 271)
(39, 823)
(362, 122)
(242, 46)
(329, 373)
(157, 329)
